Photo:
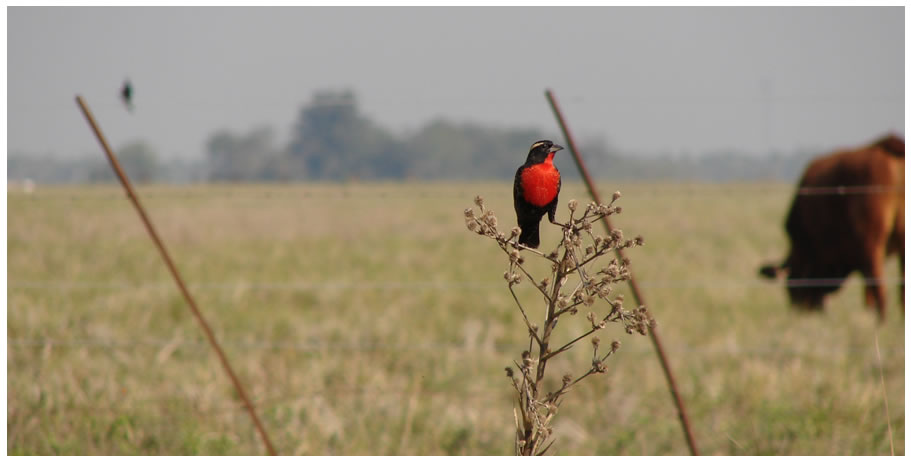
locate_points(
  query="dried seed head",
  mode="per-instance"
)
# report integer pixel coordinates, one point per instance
(514, 232)
(616, 235)
(572, 204)
(471, 224)
(612, 270)
(640, 240)
(479, 201)
(614, 346)
(513, 255)
(618, 209)
(551, 409)
(469, 213)
(492, 221)
(599, 366)
(616, 195)
(567, 378)
(596, 341)
(527, 361)
(509, 372)
(591, 317)
(589, 250)
(641, 328)
(588, 300)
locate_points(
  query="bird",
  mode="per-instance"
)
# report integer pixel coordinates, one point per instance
(126, 94)
(535, 191)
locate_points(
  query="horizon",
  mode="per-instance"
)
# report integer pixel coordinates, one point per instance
(696, 80)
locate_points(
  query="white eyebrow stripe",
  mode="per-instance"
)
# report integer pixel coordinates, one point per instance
(539, 143)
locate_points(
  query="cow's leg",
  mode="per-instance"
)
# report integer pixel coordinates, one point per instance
(897, 246)
(874, 292)
(901, 285)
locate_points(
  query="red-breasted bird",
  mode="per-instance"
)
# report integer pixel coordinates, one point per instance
(535, 191)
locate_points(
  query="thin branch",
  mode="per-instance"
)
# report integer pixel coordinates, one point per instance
(533, 282)
(531, 331)
(569, 345)
(525, 247)
(548, 447)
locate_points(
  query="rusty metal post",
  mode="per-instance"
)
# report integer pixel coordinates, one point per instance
(173, 269)
(637, 294)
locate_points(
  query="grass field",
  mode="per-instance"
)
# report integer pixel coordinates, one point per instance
(366, 320)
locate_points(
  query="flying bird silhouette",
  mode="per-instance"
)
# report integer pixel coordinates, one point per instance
(126, 94)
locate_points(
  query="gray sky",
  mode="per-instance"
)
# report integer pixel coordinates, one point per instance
(643, 79)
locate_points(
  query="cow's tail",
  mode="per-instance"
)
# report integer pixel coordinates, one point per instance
(773, 270)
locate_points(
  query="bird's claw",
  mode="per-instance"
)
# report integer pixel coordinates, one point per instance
(562, 225)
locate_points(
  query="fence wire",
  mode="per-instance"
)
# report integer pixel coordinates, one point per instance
(279, 191)
(293, 286)
(329, 347)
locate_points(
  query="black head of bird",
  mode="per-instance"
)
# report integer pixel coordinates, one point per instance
(540, 150)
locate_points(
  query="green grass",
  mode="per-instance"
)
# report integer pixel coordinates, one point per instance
(366, 320)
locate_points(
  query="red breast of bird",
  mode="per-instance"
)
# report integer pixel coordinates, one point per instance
(540, 181)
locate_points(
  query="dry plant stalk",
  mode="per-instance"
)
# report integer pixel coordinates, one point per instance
(573, 283)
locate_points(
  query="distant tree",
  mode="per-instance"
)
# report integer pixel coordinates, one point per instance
(335, 142)
(445, 150)
(240, 157)
(138, 159)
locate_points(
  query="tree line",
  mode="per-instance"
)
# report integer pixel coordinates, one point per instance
(331, 140)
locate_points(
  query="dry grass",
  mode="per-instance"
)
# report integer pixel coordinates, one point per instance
(360, 326)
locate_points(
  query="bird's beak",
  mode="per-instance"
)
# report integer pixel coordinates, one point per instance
(555, 148)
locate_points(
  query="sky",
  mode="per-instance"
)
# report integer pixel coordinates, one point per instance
(644, 80)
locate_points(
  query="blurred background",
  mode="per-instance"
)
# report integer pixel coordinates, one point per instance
(278, 94)
(308, 167)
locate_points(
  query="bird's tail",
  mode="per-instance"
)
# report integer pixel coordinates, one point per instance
(529, 235)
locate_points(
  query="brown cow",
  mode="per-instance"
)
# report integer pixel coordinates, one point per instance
(848, 214)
